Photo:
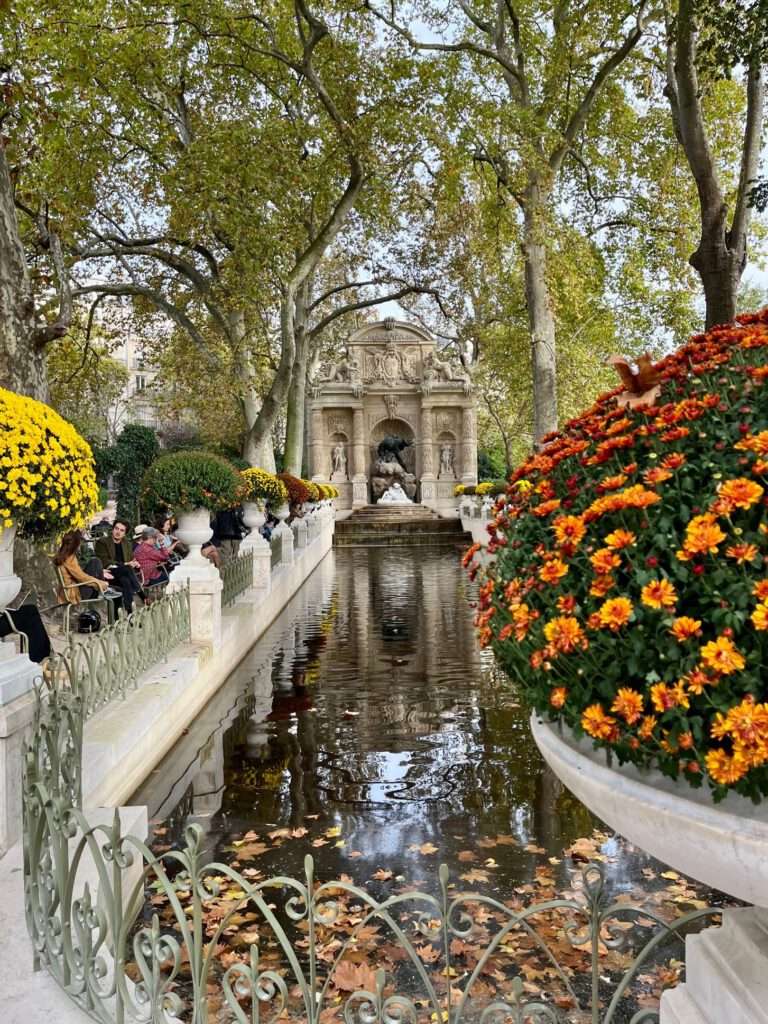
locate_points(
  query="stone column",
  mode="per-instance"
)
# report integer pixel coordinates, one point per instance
(428, 486)
(359, 468)
(468, 446)
(317, 446)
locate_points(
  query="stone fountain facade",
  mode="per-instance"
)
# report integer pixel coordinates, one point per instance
(393, 383)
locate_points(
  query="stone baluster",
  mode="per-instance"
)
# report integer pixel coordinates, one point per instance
(299, 528)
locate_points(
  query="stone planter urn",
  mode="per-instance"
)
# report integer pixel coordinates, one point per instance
(253, 516)
(10, 584)
(195, 530)
(724, 845)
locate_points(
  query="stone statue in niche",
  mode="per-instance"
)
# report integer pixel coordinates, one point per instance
(339, 462)
(447, 468)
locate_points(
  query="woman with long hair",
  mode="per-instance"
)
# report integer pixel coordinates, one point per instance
(79, 583)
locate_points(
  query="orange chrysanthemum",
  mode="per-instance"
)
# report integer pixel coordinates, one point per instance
(722, 656)
(759, 617)
(629, 704)
(595, 722)
(659, 594)
(558, 696)
(569, 529)
(702, 536)
(742, 552)
(565, 633)
(760, 590)
(553, 571)
(615, 613)
(604, 561)
(684, 627)
(741, 492)
(620, 539)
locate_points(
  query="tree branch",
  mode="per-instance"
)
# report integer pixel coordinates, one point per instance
(750, 154)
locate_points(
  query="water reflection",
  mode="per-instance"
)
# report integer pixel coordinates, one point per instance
(368, 706)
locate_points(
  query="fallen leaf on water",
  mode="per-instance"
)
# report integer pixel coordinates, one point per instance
(333, 831)
(425, 848)
(319, 842)
(670, 874)
(467, 855)
(533, 848)
(475, 875)
(382, 875)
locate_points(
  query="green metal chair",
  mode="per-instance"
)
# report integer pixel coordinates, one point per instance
(83, 602)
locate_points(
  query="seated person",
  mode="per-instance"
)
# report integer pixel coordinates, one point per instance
(97, 581)
(116, 556)
(152, 555)
(26, 619)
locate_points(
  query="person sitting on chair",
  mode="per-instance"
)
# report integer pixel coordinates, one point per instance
(26, 619)
(152, 555)
(97, 581)
(115, 553)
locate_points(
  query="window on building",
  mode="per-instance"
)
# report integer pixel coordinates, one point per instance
(141, 381)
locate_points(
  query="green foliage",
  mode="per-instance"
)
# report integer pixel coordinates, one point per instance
(490, 463)
(183, 481)
(126, 461)
(86, 384)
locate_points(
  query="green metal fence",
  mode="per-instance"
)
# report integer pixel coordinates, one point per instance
(237, 577)
(105, 665)
(93, 896)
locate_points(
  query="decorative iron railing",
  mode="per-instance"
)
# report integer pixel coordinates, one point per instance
(107, 664)
(134, 935)
(237, 577)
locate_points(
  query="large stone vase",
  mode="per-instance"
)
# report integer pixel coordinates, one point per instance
(194, 530)
(253, 516)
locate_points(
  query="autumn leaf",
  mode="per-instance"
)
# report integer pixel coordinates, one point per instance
(475, 875)
(466, 856)
(382, 875)
(425, 848)
(428, 954)
(350, 977)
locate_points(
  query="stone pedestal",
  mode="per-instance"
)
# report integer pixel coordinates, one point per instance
(262, 552)
(299, 534)
(282, 535)
(17, 710)
(205, 588)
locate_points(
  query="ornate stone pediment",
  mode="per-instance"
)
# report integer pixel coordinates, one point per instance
(390, 365)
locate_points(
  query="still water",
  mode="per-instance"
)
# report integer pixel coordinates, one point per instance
(367, 711)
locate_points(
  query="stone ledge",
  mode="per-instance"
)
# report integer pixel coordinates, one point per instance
(723, 845)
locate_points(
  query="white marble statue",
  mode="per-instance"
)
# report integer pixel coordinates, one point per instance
(446, 462)
(339, 463)
(394, 495)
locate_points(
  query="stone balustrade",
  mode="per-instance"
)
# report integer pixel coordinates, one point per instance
(136, 705)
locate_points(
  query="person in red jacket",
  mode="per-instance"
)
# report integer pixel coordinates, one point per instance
(151, 554)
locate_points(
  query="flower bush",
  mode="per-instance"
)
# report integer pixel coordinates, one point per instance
(47, 478)
(297, 488)
(628, 583)
(265, 487)
(187, 480)
(313, 490)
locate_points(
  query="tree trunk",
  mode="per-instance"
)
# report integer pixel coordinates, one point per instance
(720, 269)
(22, 362)
(541, 319)
(294, 427)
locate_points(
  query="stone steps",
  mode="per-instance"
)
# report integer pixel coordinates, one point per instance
(379, 526)
(726, 976)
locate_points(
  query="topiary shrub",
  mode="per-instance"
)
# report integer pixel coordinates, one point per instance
(183, 481)
(627, 589)
(126, 461)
